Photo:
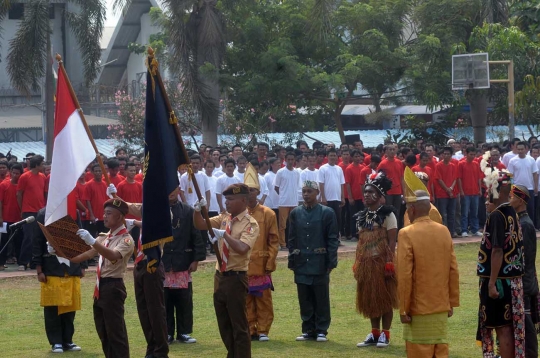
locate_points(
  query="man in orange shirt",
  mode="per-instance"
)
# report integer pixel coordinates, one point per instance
(114, 168)
(95, 196)
(31, 196)
(10, 212)
(131, 191)
(445, 183)
(346, 209)
(469, 183)
(353, 184)
(393, 168)
(424, 168)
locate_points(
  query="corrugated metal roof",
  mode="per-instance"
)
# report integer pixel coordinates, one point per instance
(30, 117)
(371, 138)
(363, 109)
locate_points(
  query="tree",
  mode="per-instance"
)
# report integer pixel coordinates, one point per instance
(312, 55)
(29, 59)
(528, 102)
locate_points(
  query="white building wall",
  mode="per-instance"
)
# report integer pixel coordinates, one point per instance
(136, 63)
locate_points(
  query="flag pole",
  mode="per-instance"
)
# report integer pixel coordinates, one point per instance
(178, 135)
(83, 119)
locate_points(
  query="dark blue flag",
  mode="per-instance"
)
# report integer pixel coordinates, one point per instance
(163, 153)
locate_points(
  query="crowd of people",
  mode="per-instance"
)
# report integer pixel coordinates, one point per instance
(305, 201)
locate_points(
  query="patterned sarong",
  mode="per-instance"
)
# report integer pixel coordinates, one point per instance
(257, 284)
(517, 319)
(427, 329)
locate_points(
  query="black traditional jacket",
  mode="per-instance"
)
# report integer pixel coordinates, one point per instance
(188, 245)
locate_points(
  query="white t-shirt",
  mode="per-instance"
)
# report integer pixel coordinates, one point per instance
(186, 185)
(333, 179)
(272, 199)
(239, 175)
(288, 182)
(212, 180)
(457, 155)
(506, 158)
(217, 170)
(523, 170)
(222, 183)
(263, 188)
(538, 167)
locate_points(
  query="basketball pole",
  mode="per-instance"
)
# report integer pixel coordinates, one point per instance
(510, 82)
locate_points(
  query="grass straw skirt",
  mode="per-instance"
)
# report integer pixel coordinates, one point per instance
(376, 294)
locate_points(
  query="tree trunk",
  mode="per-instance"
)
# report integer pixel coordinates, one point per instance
(478, 101)
(339, 125)
(49, 104)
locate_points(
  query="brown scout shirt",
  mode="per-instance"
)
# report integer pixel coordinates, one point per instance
(121, 243)
(265, 250)
(245, 229)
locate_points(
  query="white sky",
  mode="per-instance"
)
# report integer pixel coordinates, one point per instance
(112, 18)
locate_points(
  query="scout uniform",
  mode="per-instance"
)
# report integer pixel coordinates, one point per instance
(110, 292)
(149, 298)
(428, 279)
(260, 309)
(230, 280)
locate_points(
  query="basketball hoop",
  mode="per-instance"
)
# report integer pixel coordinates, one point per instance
(470, 71)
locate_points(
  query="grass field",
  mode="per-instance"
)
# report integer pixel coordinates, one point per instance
(22, 327)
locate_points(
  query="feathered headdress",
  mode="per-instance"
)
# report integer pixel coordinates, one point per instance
(494, 178)
(380, 182)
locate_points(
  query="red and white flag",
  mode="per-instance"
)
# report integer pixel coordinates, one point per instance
(72, 152)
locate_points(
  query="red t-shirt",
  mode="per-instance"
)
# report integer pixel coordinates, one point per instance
(95, 192)
(88, 176)
(79, 195)
(343, 167)
(470, 174)
(394, 171)
(448, 174)
(11, 212)
(139, 177)
(131, 193)
(117, 179)
(353, 176)
(33, 188)
(367, 159)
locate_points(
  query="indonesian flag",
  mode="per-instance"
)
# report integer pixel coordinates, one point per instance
(72, 152)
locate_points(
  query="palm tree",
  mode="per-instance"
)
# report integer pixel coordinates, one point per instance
(29, 59)
(196, 32)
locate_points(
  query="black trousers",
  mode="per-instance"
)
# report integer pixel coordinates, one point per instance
(59, 328)
(395, 201)
(335, 205)
(346, 219)
(230, 294)
(314, 303)
(151, 308)
(25, 255)
(181, 300)
(109, 318)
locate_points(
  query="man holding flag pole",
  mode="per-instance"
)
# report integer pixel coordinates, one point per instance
(73, 141)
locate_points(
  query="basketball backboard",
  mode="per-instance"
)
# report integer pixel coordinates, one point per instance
(470, 71)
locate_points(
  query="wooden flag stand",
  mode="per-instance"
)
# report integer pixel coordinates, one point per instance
(178, 135)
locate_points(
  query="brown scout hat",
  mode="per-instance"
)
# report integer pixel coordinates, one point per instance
(236, 189)
(117, 204)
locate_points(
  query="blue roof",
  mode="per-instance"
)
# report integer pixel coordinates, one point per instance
(371, 138)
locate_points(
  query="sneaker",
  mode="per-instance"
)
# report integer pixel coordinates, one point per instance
(305, 337)
(369, 341)
(478, 233)
(170, 339)
(186, 338)
(464, 234)
(57, 348)
(72, 347)
(263, 338)
(321, 337)
(383, 342)
(22, 267)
